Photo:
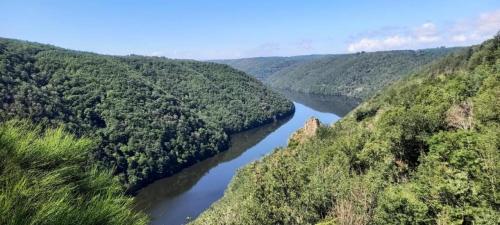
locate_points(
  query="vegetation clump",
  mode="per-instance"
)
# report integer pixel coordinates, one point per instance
(47, 179)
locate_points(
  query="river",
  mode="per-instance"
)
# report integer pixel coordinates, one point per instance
(172, 200)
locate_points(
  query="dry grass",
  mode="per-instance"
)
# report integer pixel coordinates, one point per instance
(356, 209)
(461, 116)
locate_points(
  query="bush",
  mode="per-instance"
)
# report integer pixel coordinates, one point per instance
(399, 205)
(45, 178)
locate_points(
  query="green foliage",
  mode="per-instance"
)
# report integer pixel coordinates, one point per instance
(45, 178)
(423, 151)
(150, 116)
(400, 206)
(263, 67)
(361, 114)
(359, 75)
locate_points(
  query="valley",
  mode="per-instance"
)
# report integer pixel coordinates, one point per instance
(358, 75)
(150, 116)
(250, 112)
(413, 154)
(188, 193)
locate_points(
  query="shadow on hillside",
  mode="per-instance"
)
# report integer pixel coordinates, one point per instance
(178, 183)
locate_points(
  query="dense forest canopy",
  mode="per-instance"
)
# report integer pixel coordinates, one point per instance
(358, 75)
(150, 116)
(423, 151)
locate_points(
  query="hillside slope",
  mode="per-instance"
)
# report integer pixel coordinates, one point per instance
(423, 151)
(263, 67)
(358, 75)
(150, 116)
(355, 75)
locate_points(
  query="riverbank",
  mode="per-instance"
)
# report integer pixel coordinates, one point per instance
(188, 193)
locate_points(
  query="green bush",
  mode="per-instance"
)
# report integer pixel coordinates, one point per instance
(361, 114)
(397, 205)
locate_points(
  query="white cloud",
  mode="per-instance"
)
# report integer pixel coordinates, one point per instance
(156, 53)
(459, 38)
(364, 44)
(396, 41)
(477, 30)
(470, 31)
(367, 44)
(489, 22)
(426, 33)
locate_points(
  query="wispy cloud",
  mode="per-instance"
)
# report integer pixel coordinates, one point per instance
(198, 54)
(486, 25)
(426, 33)
(304, 45)
(429, 34)
(370, 44)
(266, 49)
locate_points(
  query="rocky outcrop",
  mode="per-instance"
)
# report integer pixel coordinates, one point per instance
(309, 130)
(461, 116)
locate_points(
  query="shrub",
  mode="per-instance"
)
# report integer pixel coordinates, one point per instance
(45, 179)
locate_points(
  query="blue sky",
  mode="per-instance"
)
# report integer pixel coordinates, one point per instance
(234, 29)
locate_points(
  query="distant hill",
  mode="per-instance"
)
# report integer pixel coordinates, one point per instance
(150, 116)
(263, 67)
(358, 75)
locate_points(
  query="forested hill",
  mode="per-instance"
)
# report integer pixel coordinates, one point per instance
(358, 75)
(423, 151)
(263, 67)
(355, 75)
(150, 116)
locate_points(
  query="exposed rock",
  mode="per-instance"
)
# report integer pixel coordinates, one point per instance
(460, 116)
(309, 130)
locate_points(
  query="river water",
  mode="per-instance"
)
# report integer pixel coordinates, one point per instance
(175, 199)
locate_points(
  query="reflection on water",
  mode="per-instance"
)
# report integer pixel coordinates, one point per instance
(172, 186)
(188, 193)
(338, 105)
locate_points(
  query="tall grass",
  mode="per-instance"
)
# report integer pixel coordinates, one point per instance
(45, 179)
